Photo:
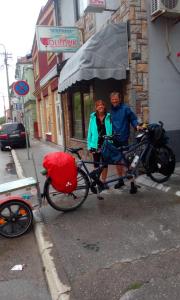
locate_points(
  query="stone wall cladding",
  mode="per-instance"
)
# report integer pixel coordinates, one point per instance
(138, 48)
(136, 86)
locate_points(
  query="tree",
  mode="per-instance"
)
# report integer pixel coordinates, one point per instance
(2, 120)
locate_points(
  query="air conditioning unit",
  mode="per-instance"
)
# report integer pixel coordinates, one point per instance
(167, 8)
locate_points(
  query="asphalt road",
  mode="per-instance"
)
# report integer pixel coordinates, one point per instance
(29, 283)
(7, 167)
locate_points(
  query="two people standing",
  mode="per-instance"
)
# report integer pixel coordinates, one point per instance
(119, 122)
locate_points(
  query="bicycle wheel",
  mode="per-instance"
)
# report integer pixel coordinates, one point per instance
(15, 218)
(68, 202)
(164, 164)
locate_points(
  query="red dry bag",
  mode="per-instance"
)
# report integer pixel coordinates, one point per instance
(61, 168)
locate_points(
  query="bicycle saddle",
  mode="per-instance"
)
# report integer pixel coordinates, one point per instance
(74, 150)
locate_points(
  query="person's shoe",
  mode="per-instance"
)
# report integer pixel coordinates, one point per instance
(133, 189)
(119, 184)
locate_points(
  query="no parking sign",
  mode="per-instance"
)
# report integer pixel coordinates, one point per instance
(21, 88)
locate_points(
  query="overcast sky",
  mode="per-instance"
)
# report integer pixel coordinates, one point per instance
(17, 28)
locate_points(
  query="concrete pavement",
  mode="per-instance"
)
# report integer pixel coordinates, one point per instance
(61, 285)
(28, 283)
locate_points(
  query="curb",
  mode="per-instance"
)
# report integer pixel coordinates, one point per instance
(58, 290)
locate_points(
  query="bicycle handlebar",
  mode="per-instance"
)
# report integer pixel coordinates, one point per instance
(143, 127)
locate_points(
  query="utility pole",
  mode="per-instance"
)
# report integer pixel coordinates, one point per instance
(4, 106)
(3, 97)
(6, 56)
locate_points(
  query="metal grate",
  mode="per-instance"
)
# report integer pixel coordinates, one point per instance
(170, 4)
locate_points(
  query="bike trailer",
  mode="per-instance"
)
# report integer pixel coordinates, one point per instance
(61, 168)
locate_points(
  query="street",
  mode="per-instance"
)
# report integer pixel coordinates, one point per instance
(99, 80)
(123, 247)
(29, 283)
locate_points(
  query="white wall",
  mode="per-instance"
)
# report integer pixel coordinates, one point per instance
(164, 76)
(164, 79)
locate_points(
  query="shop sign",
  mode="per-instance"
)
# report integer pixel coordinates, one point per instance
(95, 6)
(57, 39)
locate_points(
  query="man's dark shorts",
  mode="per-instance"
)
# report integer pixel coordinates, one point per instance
(97, 157)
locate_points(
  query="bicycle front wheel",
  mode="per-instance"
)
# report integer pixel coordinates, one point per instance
(16, 218)
(68, 202)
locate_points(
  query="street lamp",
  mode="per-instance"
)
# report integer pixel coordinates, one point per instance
(7, 78)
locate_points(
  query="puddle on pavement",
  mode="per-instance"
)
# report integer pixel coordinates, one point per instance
(10, 168)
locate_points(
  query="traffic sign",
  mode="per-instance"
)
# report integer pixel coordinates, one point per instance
(21, 87)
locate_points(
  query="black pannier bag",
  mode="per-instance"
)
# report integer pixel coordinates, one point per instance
(166, 160)
(157, 134)
(161, 160)
(110, 153)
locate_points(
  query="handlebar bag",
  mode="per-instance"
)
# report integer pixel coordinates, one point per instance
(111, 153)
(61, 168)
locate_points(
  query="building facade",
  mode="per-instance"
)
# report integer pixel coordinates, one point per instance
(143, 44)
(46, 82)
(78, 94)
(153, 93)
(24, 108)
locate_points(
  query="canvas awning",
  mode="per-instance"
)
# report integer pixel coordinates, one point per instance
(103, 56)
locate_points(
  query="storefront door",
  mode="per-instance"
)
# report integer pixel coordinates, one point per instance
(59, 121)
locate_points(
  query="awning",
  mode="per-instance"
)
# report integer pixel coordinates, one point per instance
(103, 56)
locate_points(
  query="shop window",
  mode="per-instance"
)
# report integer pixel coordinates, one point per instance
(82, 106)
(88, 109)
(79, 8)
(77, 116)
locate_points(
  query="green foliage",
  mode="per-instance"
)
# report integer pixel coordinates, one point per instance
(134, 286)
(2, 120)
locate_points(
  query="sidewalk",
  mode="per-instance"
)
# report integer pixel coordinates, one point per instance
(59, 283)
(26, 168)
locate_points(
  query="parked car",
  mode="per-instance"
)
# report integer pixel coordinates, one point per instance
(12, 135)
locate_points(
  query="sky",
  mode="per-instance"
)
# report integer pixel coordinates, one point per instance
(17, 28)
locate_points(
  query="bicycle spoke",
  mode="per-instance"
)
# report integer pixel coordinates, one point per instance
(67, 202)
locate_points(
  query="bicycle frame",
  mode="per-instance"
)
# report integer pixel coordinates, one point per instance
(126, 151)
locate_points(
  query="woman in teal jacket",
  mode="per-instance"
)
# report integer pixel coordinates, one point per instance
(99, 124)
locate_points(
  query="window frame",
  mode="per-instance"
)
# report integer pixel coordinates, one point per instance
(78, 12)
(86, 90)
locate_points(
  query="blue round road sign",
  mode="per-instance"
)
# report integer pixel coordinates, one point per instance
(21, 88)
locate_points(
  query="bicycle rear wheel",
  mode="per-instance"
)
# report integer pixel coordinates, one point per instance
(164, 161)
(68, 202)
(16, 218)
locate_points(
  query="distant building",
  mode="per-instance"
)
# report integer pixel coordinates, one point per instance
(27, 115)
